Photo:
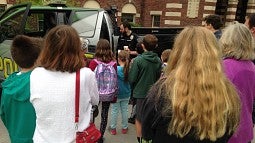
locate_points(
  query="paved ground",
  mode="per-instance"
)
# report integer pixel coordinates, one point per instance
(130, 137)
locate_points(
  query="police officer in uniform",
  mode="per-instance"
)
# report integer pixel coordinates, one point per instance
(127, 40)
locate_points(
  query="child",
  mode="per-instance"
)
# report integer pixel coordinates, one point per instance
(105, 55)
(164, 58)
(17, 112)
(144, 72)
(123, 94)
(131, 119)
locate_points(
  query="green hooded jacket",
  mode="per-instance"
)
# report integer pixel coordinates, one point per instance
(144, 72)
(16, 111)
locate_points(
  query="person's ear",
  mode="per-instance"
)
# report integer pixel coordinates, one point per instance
(253, 30)
(144, 49)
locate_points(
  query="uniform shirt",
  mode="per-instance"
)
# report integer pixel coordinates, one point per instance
(129, 41)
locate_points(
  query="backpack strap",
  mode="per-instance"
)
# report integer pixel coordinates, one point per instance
(97, 61)
(112, 63)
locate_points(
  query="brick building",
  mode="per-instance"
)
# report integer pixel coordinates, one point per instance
(168, 13)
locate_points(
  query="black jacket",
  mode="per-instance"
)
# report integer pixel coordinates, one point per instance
(154, 125)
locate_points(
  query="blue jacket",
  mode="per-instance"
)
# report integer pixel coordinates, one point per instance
(124, 87)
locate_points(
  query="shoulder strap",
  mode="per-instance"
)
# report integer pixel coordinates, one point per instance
(77, 96)
(112, 63)
(97, 61)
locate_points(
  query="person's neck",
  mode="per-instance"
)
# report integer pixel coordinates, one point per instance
(24, 70)
(122, 64)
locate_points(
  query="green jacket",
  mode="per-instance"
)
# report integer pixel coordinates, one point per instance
(16, 111)
(144, 72)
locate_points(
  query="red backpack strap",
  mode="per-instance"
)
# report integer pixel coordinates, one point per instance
(77, 96)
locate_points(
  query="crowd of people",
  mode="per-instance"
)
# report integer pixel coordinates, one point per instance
(201, 90)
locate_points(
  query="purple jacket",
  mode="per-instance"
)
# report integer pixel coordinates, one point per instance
(242, 75)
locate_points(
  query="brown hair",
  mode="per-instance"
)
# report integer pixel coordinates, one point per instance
(62, 51)
(165, 55)
(103, 51)
(123, 56)
(150, 42)
(25, 50)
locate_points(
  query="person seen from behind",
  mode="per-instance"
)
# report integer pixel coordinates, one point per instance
(237, 45)
(123, 96)
(250, 23)
(194, 102)
(132, 101)
(103, 55)
(53, 88)
(214, 23)
(144, 72)
(17, 113)
(164, 58)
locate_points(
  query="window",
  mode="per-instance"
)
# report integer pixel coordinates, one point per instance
(34, 25)
(11, 27)
(155, 20)
(85, 22)
(129, 17)
(2, 8)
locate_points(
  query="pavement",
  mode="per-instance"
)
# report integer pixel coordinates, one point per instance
(130, 137)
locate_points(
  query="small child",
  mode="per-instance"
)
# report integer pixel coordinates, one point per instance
(16, 111)
(164, 58)
(123, 94)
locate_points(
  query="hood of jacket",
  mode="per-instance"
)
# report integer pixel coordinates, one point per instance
(150, 57)
(16, 85)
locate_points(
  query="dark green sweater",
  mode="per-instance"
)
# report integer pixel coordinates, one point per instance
(144, 72)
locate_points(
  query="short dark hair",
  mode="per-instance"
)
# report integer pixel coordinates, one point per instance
(126, 24)
(150, 42)
(214, 20)
(139, 48)
(251, 18)
(25, 50)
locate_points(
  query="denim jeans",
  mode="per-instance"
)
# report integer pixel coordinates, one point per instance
(121, 104)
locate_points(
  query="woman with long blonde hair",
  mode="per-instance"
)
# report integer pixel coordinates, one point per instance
(195, 102)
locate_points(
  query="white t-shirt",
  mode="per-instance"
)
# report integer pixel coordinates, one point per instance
(53, 97)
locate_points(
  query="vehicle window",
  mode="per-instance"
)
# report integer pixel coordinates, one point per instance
(11, 27)
(85, 22)
(34, 25)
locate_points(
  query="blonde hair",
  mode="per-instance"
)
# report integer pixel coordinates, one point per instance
(199, 96)
(237, 42)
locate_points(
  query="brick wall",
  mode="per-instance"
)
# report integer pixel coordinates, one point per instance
(172, 13)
